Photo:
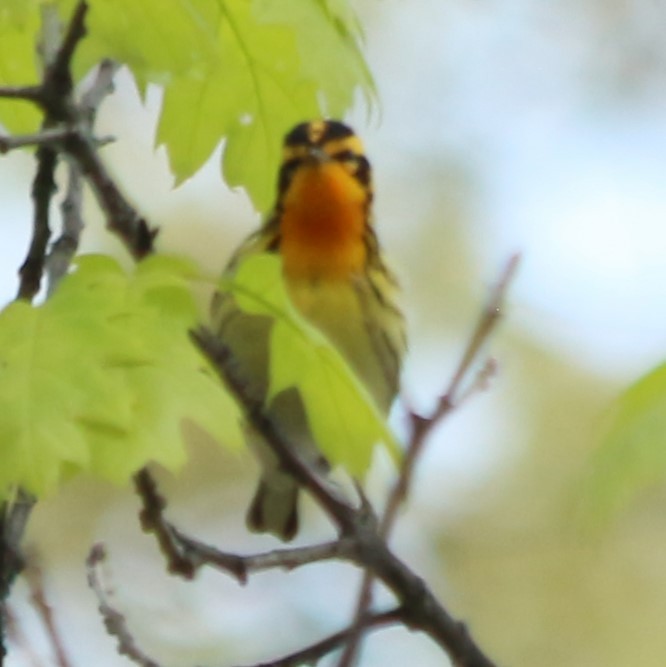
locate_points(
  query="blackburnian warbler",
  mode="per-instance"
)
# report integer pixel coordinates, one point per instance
(335, 276)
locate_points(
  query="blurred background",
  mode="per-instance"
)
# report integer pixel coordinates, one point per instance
(522, 126)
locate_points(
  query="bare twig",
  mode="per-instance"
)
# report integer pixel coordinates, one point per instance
(152, 521)
(70, 123)
(43, 188)
(121, 217)
(242, 566)
(28, 93)
(452, 397)
(312, 654)
(13, 519)
(51, 138)
(57, 83)
(33, 576)
(185, 556)
(55, 99)
(421, 429)
(64, 249)
(101, 87)
(18, 638)
(114, 621)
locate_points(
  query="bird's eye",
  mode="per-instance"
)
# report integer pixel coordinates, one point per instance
(349, 160)
(345, 156)
(356, 165)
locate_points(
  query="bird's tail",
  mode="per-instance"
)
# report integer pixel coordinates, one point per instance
(274, 508)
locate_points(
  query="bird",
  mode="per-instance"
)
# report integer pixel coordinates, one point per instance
(322, 228)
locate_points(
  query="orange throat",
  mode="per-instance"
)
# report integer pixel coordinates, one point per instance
(322, 225)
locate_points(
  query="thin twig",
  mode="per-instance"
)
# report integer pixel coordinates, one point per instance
(43, 188)
(314, 653)
(101, 87)
(55, 99)
(14, 516)
(114, 621)
(122, 218)
(421, 429)
(53, 138)
(71, 127)
(19, 639)
(242, 566)
(50, 137)
(152, 521)
(57, 83)
(28, 93)
(63, 250)
(185, 555)
(34, 578)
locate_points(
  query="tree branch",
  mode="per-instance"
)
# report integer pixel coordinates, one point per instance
(185, 556)
(422, 427)
(122, 218)
(34, 577)
(28, 93)
(340, 512)
(54, 96)
(67, 128)
(43, 188)
(369, 550)
(114, 621)
(14, 516)
(64, 249)
(312, 654)
(56, 80)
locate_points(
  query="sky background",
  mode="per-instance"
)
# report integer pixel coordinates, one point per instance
(528, 127)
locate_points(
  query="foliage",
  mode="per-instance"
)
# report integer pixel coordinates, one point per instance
(343, 417)
(101, 376)
(239, 70)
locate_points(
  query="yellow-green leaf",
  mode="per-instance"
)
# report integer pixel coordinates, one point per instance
(238, 71)
(632, 456)
(277, 64)
(100, 377)
(344, 419)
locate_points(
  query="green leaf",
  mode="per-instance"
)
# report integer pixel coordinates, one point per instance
(632, 457)
(344, 419)
(328, 37)
(100, 377)
(277, 64)
(19, 27)
(242, 71)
